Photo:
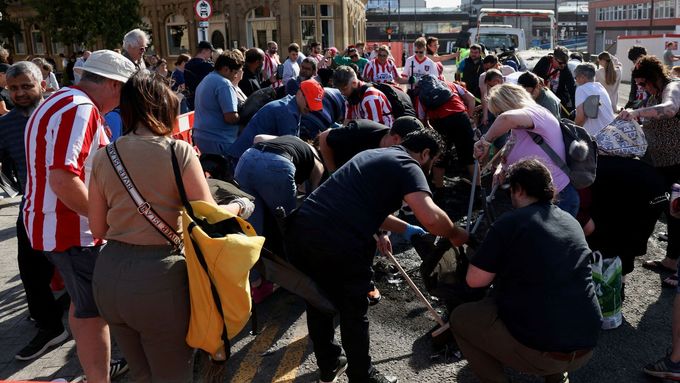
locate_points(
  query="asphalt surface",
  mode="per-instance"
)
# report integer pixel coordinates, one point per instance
(400, 345)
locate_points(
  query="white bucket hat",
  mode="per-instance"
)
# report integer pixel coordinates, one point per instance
(108, 64)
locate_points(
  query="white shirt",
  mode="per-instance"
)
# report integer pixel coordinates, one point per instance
(613, 89)
(605, 114)
(290, 70)
(420, 68)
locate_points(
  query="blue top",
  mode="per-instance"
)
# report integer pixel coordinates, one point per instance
(178, 76)
(278, 118)
(115, 123)
(215, 96)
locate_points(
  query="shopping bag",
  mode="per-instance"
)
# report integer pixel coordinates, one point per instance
(607, 277)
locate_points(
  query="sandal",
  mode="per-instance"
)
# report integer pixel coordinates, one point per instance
(658, 266)
(670, 282)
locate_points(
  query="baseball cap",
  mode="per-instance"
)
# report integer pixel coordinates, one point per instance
(206, 45)
(4, 67)
(313, 92)
(109, 64)
(405, 125)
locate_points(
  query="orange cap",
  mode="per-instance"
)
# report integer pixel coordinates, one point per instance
(313, 92)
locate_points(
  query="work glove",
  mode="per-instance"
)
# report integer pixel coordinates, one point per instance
(412, 230)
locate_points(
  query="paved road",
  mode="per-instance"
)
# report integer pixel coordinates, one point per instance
(282, 351)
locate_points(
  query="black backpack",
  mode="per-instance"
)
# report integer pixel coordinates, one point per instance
(432, 92)
(399, 100)
(581, 153)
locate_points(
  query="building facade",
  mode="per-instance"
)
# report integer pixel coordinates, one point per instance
(174, 28)
(609, 19)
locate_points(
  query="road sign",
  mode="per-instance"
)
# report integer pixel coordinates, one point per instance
(203, 9)
(203, 24)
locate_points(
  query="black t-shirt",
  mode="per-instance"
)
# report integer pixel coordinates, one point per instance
(355, 137)
(301, 153)
(4, 95)
(543, 287)
(194, 71)
(12, 128)
(352, 204)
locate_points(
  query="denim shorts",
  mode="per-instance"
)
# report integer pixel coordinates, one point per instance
(76, 266)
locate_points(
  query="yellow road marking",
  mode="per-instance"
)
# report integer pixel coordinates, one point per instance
(250, 363)
(289, 365)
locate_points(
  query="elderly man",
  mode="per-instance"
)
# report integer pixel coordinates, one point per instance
(364, 101)
(61, 137)
(593, 106)
(252, 72)
(134, 46)
(271, 63)
(543, 318)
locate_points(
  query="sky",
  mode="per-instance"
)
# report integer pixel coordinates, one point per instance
(443, 3)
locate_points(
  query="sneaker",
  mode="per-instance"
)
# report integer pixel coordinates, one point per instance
(332, 376)
(40, 343)
(118, 367)
(377, 377)
(664, 368)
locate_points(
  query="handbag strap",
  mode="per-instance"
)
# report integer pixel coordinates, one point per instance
(538, 139)
(180, 183)
(143, 207)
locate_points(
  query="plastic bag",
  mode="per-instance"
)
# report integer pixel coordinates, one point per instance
(607, 276)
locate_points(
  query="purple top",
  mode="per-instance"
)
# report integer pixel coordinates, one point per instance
(547, 126)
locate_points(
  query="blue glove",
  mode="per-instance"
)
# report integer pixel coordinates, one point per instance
(412, 230)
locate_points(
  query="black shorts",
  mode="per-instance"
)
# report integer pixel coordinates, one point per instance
(76, 266)
(455, 129)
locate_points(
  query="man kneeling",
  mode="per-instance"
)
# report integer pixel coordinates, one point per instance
(542, 317)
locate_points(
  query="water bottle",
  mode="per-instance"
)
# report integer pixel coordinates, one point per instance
(675, 200)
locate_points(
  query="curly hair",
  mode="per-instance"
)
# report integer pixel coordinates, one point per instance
(534, 178)
(652, 70)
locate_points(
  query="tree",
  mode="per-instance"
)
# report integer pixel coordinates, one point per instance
(84, 21)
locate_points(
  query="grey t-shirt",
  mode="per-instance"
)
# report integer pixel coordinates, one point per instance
(668, 58)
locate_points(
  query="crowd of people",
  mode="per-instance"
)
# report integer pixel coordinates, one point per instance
(340, 139)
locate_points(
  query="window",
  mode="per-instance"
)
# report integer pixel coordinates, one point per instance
(311, 18)
(37, 40)
(307, 10)
(19, 42)
(178, 35)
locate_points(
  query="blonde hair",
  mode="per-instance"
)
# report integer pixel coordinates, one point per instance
(675, 71)
(609, 71)
(420, 42)
(506, 97)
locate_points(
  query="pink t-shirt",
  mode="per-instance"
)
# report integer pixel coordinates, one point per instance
(546, 126)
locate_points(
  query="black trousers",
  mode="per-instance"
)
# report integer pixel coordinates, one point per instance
(671, 175)
(456, 130)
(344, 274)
(36, 274)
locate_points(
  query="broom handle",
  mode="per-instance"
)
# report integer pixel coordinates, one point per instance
(415, 288)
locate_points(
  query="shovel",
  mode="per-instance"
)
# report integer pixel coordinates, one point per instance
(442, 326)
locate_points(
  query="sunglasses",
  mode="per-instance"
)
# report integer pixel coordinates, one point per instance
(420, 52)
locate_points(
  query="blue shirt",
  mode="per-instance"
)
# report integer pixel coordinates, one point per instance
(115, 123)
(178, 76)
(333, 111)
(278, 118)
(215, 96)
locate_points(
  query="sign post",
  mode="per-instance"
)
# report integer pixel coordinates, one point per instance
(203, 10)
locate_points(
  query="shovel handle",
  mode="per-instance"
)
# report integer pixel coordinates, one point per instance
(415, 288)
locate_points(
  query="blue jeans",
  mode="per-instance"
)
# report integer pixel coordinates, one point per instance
(568, 200)
(208, 145)
(270, 178)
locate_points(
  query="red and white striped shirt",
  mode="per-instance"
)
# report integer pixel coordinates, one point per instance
(63, 133)
(373, 106)
(377, 72)
(269, 69)
(320, 60)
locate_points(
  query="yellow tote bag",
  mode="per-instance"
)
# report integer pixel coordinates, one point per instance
(220, 250)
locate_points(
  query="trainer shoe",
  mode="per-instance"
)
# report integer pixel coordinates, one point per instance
(40, 343)
(377, 377)
(118, 367)
(664, 368)
(332, 376)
